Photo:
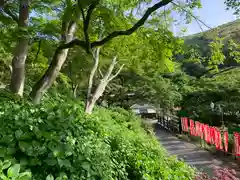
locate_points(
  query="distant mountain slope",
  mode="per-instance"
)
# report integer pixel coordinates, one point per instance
(200, 42)
(227, 31)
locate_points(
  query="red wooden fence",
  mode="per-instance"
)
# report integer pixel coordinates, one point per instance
(211, 135)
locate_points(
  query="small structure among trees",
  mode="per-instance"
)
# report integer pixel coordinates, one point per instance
(144, 110)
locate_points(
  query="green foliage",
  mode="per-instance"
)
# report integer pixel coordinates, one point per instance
(226, 31)
(48, 17)
(147, 51)
(233, 4)
(198, 64)
(13, 171)
(56, 138)
(216, 54)
(216, 81)
(223, 90)
(234, 50)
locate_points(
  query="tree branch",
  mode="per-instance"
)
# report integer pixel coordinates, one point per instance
(134, 27)
(86, 22)
(198, 20)
(75, 91)
(117, 33)
(110, 69)
(115, 75)
(83, 15)
(84, 44)
(205, 72)
(92, 73)
(73, 43)
(89, 13)
(225, 70)
(38, 51)
(100, 72)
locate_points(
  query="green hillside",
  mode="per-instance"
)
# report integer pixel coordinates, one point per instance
(229, 30)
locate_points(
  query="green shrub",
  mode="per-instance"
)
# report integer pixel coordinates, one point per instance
(12, 171)
(56, 139)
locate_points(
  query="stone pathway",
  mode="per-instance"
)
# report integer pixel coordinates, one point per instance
(191, 154)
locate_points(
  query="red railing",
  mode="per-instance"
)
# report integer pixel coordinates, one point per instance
(212, 135)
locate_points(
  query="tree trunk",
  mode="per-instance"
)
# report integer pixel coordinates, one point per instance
(18, 67)
(54, 68)
(21, 51)
(50, 76)
(91, 99)
(75, 91)
(97, 94)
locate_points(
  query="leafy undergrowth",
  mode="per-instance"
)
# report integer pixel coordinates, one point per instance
(56, 140)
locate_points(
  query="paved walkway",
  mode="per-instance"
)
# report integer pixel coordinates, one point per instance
(191, 154)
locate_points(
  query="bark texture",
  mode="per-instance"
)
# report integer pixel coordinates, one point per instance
(18, 67)
(54, 68)
(90, 80)
(21, 51)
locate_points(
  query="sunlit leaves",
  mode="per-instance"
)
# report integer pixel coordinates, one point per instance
(8, 170)
(50, 177)
(217, 57)
(193, 55)
(13, 171)
(234, 51)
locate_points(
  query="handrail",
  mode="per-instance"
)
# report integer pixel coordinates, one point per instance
(169, 122)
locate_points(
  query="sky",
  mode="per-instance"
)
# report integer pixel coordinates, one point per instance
(213, 13)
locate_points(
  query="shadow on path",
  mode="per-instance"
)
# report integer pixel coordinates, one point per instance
(200, 159)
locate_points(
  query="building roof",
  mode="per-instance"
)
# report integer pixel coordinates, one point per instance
(144, 106)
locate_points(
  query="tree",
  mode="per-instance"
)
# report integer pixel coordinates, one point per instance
(21, 49)
(61, 53)
(22, 29)
(216, 54)
(87, 44)
(105, 79)
(68, 29)
(234, 51)
(83, 20)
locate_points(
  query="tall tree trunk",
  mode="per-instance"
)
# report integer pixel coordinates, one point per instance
(97, 94)
(90, 80)
(54, 68)
(69, 29)
(92, 98)
(18, 67)
(21, 51)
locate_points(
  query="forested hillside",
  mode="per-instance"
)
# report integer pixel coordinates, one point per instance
(227, 31)
(70, 70)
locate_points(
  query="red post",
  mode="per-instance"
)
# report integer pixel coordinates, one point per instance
(236, 149)
(192, 128)
(225, 139)
(206, 133)
(184, 122)
(218, 139)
